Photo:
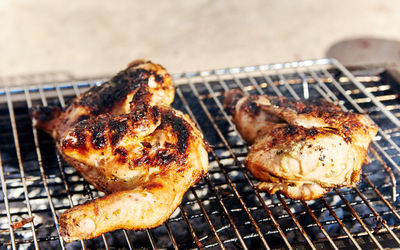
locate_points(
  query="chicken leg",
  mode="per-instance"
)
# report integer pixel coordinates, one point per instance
(147, 174)
(126, 141)
(300, 148)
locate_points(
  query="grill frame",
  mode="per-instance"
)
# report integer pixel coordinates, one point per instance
(315, 73)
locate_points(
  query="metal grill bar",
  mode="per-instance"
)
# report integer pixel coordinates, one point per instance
(230, 182)
(381, 196)
(66, 186)
(388, 170)
(170, 234)
(360, 86)
(150, 235)
(207, 219)
(355, 214)
(217, 158)
(215, 192)
(344, 228)
(303, 232)
(42, 172)
(381, 220)
(286, 84)
(4, 189)
(319, 225)
(233, 213)
(192, 232)
(20, 164)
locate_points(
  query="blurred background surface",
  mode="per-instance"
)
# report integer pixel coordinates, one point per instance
(99, 37)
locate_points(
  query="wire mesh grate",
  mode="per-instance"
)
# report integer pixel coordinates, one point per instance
(224, 210)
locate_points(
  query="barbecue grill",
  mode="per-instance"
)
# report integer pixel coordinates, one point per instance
(224, 210)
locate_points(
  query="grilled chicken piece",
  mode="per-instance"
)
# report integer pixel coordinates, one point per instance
(126, 141)
(142, 83)
(300, 148)
(147, 172)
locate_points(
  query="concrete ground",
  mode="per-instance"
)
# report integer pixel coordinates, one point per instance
(99, 37)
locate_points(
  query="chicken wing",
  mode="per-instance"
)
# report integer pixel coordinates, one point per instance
(301, 148)
(126, 141)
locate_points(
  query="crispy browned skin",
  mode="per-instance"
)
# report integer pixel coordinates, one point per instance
(142, 83)
(124, 139)
(301, 148)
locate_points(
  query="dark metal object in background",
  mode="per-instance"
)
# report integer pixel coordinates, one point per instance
(225, 210)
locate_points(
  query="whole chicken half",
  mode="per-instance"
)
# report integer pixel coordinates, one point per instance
(300, 148)
(125, 139)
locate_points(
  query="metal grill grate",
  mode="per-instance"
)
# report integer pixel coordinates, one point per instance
(224, 210)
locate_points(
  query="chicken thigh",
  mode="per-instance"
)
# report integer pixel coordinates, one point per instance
(126, 141)
(300, 148)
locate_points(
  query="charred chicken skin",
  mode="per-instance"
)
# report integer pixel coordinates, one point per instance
(300, 148)
(127, 142)
(140, 84)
